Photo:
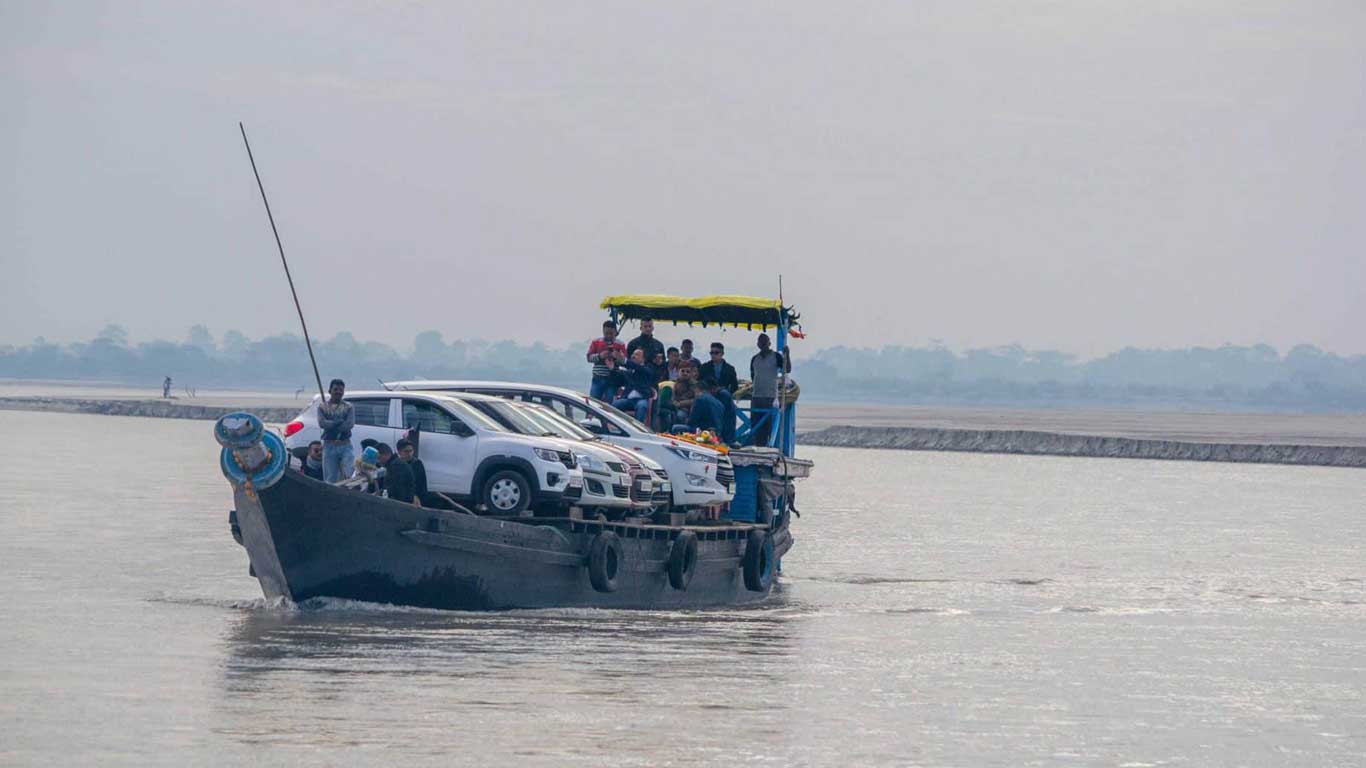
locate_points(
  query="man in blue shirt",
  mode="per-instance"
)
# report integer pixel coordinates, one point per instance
(707, 412)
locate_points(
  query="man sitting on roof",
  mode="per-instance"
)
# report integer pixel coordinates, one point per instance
(641, 380)
(707, 411)
(722, 374)
(685, 391)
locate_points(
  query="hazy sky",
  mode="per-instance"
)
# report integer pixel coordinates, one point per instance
(1081, 175)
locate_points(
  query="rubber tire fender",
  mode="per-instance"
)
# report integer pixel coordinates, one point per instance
(758, 561)
(523, 485)
(604, 561)
(683, 560)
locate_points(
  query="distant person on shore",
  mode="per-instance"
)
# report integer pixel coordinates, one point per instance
(722, 374)
(602, 353)
(399, 484)
(337, 418)
(166, 388)
(707, 412)
(313, 461)
(407, 452)
(646, 341)
(763, 372)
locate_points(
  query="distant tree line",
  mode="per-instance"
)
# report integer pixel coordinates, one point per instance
(1255, 377)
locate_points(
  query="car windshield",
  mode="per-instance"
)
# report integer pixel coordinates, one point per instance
(509, 414)
(619, 416)
(554, 422)
(472, 416)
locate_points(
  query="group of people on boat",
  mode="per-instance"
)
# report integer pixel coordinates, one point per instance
(670, 390)
(394, 471)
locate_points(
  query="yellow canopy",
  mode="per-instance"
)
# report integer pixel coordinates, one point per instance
(746, 311)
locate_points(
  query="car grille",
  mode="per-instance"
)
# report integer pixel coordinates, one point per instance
(725, 472)
(621, 491)
(662, 497)
(616, 466)
(639, 495)
(661, 474)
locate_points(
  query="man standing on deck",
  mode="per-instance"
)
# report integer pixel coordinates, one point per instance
(600, 353)
(646, 341)
(763, 371)
(337, 418)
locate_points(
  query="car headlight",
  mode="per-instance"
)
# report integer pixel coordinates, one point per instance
(687, 454)
(587, 461)
(546, 454)
(696, 481)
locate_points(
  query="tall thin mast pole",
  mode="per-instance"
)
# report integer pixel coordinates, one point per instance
(307, 341)
(780, 423)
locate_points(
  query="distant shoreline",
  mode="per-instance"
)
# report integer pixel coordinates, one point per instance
(1005, 441)
(1032, 443)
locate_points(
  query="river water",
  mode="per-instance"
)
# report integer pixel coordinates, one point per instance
(938, 609)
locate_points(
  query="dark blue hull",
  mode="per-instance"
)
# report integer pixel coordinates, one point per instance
(309, 539)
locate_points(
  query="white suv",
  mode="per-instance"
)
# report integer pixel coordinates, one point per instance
(466, 454)
(700, 476)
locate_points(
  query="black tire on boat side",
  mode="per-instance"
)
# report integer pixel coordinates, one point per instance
(758, 561)
(683, 560)
(604, 561)
(506, 492)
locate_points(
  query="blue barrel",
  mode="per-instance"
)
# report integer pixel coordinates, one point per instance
(746, 502)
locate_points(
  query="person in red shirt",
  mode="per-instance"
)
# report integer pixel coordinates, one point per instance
(602, 353)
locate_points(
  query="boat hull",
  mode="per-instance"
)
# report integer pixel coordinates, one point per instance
(308, 539)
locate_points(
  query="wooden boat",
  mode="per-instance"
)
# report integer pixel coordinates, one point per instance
(306, 538)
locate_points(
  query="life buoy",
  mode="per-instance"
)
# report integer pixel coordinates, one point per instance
(758, 561)
(604, 561)
(683, 560)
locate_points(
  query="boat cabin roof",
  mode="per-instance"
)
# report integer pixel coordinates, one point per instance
(749, 312)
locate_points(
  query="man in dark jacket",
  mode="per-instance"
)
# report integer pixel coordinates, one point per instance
(408, 453)
(646, 341)
(722, 374)
(641, 382)
(313, 461)
(398, 477)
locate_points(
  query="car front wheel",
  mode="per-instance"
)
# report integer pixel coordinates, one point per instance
(506, 492)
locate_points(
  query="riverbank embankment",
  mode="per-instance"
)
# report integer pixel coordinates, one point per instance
(158, 409)
(1060, 444)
